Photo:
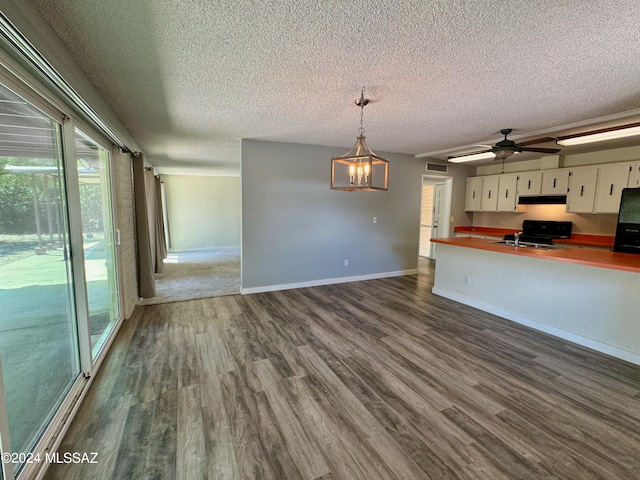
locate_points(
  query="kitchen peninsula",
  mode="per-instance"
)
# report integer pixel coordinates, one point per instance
(589, 297)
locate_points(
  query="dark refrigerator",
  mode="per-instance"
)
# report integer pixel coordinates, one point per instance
(628, 229)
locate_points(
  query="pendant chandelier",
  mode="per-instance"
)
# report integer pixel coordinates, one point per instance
(360, 170)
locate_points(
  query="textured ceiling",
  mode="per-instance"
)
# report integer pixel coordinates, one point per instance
(190, 79)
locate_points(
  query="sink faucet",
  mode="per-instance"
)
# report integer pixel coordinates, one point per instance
(516, 238)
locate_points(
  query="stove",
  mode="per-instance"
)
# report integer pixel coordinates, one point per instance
(543, 231)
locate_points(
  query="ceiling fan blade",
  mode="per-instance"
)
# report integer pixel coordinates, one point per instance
(541, 150)
(537, 140)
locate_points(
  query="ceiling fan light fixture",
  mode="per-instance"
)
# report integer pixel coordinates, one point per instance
(504, 154)
(472, 158)
(599, 137)
(504, 149)
(360, 170)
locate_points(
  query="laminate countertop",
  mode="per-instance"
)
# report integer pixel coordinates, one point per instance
(595, 258)
(580, 239)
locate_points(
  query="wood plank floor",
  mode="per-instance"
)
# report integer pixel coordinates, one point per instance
(370, 380)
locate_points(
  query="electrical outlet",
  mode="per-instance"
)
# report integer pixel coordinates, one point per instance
(467, 279)
(375, 219)
(346, 262)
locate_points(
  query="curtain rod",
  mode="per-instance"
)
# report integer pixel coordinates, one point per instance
(14, 38)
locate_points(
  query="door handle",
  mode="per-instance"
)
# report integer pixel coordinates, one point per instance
(611, 190)
(582, 190)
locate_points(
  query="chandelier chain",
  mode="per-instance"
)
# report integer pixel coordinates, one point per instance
(361, 102)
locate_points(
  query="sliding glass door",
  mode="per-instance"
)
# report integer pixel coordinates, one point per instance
(98, 239)
(38, 331)
(59, 290)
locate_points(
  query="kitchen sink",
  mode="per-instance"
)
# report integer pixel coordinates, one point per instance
(541, 246)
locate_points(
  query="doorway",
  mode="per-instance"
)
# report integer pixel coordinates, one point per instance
(435, 212)
(202, 216)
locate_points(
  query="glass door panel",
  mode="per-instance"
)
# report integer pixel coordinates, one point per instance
(97, 231)
(38, 337)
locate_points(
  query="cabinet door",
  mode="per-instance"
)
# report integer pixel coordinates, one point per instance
(611, 180)
(555, 182)
(474, 194)
(489, 194)
(529, 183)
(507, 187)
(582, 190)
(634, 176)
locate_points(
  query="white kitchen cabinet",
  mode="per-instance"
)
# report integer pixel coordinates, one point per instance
(582, 190)
(555, 182)
(634, 176)
(529, 183)
(611, 180)
(473, 201)
(507, 193)
(489, 201)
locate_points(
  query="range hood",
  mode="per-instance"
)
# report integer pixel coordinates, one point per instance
(543, 200)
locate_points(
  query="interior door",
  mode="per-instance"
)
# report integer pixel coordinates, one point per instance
(431, 217)
(439, 219)
(426, 219)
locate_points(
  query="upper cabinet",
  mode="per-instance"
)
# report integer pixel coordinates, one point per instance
(490, 193)
(582, 190)
(634, 175)
(473, 200)
(493, 193)
(529, 183)
(555, 182)
(611, 180)
(507, 193)
(589, 189)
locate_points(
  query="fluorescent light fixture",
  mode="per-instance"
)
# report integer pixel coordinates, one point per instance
(600, 137)
(471, 158)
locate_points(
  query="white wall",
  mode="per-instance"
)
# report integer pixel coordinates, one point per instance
(203, 212)
(592, 306)
(592, 224)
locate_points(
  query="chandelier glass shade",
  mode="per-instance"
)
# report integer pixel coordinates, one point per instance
(360, 170)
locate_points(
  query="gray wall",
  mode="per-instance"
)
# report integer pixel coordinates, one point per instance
(295, 229)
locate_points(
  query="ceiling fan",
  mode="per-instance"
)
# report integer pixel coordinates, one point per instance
(505, 148)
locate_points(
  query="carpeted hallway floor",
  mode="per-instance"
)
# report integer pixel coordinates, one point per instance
(201, 274)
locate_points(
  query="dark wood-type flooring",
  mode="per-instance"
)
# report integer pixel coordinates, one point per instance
(369, 380)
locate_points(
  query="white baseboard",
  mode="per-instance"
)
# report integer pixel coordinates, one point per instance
(326, 281)
(543, 327)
